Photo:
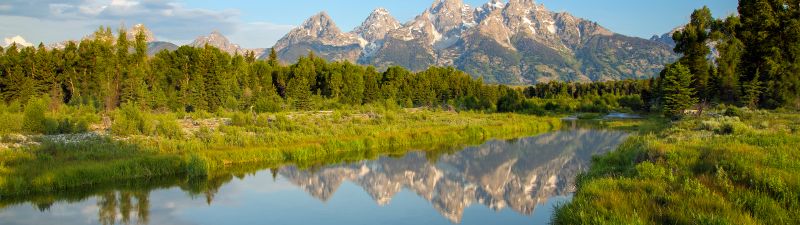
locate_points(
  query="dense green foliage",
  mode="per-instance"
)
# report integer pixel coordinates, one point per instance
(757, 56)
(107, 73)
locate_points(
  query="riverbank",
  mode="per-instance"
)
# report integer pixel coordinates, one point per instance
(210, 145)
(742, 168)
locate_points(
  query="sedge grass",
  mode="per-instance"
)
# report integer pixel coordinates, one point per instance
(706, 170)
(274, 139)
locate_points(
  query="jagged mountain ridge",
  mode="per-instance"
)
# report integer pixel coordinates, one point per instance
(216, 39)
(666, 38)
(517, 42)
(517, 174)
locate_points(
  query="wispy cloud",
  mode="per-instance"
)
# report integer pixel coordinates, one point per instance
(168, 19)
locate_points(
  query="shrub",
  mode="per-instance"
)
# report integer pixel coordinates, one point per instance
(632, 102)
(241, 119)
(11, 122)
(265, 104)
(724, 125)
(34, 119)
(129, 120)
(510, 102)
(169, 128)
(733, 111)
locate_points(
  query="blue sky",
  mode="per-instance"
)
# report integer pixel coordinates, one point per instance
(260, 23)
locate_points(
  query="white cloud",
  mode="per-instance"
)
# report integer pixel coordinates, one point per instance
(166, 18)
(16, 39)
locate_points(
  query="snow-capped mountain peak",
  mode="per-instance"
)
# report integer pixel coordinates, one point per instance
(515, 42)
(377, 25)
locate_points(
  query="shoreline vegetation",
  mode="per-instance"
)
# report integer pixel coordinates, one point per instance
(59, 163)
(733, 166)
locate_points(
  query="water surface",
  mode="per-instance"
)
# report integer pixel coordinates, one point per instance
(499, 182)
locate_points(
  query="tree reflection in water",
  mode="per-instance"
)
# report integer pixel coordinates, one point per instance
(516, 174)
(108, 203)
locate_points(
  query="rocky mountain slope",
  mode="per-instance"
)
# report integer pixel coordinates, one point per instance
(666, 38)
(517, 175)
(518, 42)
(216, 39)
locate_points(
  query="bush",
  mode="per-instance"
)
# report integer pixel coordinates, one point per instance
(724, 125)
(34, 119)
(169, 128)
(733, 111)
(632, 102)
(11, 122)
(264, 104)
(128, 120)
(241, 119)
(510, 102)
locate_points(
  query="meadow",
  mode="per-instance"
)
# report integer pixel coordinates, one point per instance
(735, 166)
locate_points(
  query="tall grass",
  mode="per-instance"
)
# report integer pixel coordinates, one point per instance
(741, 169)
(146, 145)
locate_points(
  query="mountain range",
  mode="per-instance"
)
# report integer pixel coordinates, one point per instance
(514, 42)
(518, 42)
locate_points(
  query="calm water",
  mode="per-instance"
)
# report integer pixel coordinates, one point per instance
(498, 182)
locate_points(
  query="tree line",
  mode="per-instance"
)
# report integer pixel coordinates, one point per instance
(751, 59)
(107, 72)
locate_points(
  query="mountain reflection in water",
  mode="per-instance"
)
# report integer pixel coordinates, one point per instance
(516, 174)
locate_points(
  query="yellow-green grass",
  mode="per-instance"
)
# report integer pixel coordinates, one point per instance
(707, 170)
(274, 139)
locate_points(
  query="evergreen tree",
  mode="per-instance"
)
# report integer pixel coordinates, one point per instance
(692, 42)
(769, 32)
(353, 88)
(752, 91)
(371, 88)
(273, 58)
(677, 90)
(729, 60)
(299, 86)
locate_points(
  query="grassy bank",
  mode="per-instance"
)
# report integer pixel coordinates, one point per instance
(743, 168)
(143, 145)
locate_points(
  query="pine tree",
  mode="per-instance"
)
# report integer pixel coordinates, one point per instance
(729, 61)
(770, 30)
(751, 91)
(336, 83)
(299, 86)
(353, 86)
(273, 58)
(371, 88)
(692, 42)
(677, 90)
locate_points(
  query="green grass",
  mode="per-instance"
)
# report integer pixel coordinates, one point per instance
(148, 148)
(725, 170)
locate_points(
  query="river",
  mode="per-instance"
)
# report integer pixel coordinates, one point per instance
(498, 182)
